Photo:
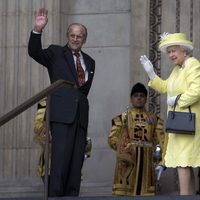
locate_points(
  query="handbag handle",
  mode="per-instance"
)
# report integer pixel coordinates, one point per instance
(176, 101)
(173, 113)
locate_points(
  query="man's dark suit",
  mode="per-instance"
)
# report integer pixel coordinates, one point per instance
(68, 114)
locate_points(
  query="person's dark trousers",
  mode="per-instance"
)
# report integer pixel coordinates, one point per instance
(68, 148)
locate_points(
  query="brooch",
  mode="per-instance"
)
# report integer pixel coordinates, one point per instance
(150, 120)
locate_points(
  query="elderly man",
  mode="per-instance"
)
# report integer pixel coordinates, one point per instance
(69, 107)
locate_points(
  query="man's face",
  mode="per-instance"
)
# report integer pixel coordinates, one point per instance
(138, 100)
(76, 37)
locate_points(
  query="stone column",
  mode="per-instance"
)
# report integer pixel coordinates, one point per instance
(21, 78)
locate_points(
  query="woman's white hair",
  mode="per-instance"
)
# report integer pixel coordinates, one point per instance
(187, 50)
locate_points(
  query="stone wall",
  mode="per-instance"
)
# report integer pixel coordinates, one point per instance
(119, 32)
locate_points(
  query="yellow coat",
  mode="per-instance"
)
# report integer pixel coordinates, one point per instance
(183, 150)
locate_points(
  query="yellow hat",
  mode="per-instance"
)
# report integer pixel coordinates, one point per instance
(174, 39)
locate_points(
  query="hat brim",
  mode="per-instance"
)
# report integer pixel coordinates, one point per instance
(163, 47)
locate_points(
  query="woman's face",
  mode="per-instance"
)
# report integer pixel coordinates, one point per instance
(176, 54)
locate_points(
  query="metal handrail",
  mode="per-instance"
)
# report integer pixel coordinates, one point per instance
(28, 103)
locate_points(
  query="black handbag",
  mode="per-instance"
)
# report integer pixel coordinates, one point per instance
(180, 122)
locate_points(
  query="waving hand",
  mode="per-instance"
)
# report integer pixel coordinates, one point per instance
(41, 19)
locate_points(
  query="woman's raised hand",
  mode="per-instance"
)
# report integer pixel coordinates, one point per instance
(148, 67)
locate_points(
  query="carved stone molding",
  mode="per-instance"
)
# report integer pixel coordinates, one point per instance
(154, 53)
(178, 10)
(191, 18)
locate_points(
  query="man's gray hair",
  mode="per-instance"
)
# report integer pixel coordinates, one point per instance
(78, 24)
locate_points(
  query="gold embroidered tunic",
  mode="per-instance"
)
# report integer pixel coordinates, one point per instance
(133, 136)
(39, 124)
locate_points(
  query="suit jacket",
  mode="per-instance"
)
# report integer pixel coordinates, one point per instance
(65, 103)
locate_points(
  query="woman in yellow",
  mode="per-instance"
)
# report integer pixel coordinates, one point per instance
(183, 151)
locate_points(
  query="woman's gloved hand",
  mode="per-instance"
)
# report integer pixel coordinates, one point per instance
(148, 67)
(171, 101)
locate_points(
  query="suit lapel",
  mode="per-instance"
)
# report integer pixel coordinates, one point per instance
(88, 65)
(69, 57)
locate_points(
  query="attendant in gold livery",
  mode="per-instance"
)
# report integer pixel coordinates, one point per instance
(40, 137)
(133, 136)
